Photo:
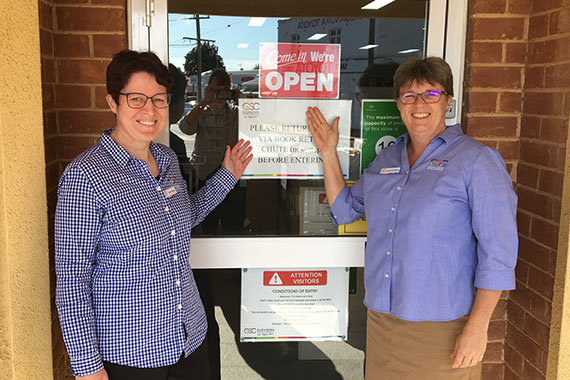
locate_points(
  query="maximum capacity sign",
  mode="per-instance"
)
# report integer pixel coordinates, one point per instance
(299, 70)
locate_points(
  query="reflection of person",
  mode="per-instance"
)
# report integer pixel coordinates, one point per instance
(127, 300)
(442, 237)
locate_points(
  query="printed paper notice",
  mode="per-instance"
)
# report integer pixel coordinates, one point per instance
(281, 140)
(294, 304)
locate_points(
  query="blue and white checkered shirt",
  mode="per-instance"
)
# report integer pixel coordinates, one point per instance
(125, 290)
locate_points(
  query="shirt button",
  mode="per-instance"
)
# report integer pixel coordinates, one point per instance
(393, 209)
(158, 188)
(179, 307)
(177, 282)
(399, 188)
(166, 209)
(172, 232)
(388, 253)
(175, 257)
(387, 275)
(390, 230)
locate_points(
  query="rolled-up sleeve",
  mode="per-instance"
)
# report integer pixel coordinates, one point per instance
(494, 204)
(77, 229)
(349, 204)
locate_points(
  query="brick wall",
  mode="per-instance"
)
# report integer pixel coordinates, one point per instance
(517, 87)
(78, 38)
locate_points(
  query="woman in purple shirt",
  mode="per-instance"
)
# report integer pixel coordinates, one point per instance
(442, 236)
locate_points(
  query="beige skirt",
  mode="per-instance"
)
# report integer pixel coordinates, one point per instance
(404, 350)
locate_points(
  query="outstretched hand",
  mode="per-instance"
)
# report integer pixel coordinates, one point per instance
(325, 136)
(237, 158)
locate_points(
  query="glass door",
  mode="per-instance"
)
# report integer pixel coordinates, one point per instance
(280, 218)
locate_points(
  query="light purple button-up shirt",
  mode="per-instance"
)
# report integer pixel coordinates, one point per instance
(436, 231)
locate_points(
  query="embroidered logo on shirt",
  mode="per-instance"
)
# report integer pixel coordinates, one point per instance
(436, 164)
(171, 180)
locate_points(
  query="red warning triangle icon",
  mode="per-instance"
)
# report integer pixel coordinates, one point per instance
(275, 280)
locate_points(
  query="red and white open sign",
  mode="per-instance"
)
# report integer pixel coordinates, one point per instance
(295, 278)
(299, 70)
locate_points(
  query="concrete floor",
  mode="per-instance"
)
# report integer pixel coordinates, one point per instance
(286, 360)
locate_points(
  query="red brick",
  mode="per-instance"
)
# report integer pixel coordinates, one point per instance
(531, 373)
(483, 6)
(509, 150)
(554, 130)
(551, 182)
(481, 101)
(46, 42)
(510, 102)
(523, 222)
(48, 70)
(495, 77)
(100, 94)
(51, 147)
(105, 45)
(560, 21)
(527, 175)
(52, 176)
(88, 122)
(71, 45)
(515, 313)
(537, 26)
(545, 154)
(71, 146)
(500, 312)
(534, 253)
(546, 5)
(543, 103)
(494, 352)
(537, 331)
(530, 127)
(510, 375)
(82, 71)
(506, 28)
(109, 2)
(46, 15)
(513, 359)
(73, 96)
(493, 126)
(522, 344)
(541, 52)
(538, 204)
(542, 283)
(521, 272)
(519, 6)
(493, 371)
(484, 52)
(48, 96)
(71, 1)
(557, 76)
(515, 53)
(497, 330)
(50, 123)
(544, 232)
(90, 19)
(534, 77)
(490, 143)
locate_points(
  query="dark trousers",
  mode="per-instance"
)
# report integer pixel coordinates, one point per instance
(193, 367)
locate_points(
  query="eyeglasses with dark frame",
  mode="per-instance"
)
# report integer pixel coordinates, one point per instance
(429, 96)
(137, 100)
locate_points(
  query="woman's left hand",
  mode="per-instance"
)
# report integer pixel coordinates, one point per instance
(237, 158)
(470, 347)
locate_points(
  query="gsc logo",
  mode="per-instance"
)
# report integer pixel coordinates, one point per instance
(249, 330)
(439, 163)
(251, 106)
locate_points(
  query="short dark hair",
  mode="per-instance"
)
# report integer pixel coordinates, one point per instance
(127, 62)
(433, 70)
(221, 76)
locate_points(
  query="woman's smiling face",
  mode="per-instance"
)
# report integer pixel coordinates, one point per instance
(423, 120)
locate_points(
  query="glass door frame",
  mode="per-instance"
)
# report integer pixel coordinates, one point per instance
(446, 34)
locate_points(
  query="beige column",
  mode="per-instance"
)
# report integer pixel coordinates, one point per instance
(559, 347)
(25, 324)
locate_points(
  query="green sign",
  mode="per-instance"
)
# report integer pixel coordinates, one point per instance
(381, 124)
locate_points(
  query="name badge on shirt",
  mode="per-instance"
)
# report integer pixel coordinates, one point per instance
(387, 171)
(170, 192)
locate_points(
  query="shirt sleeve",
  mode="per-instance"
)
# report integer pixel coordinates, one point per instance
(187, 128)
(494, 204)
(349, 204)
(77, 228)
(211, 194)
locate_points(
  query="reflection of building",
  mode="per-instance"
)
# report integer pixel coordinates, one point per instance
(396, 38)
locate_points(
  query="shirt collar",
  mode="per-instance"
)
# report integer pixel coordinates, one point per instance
(122, 157)
(447, 135)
